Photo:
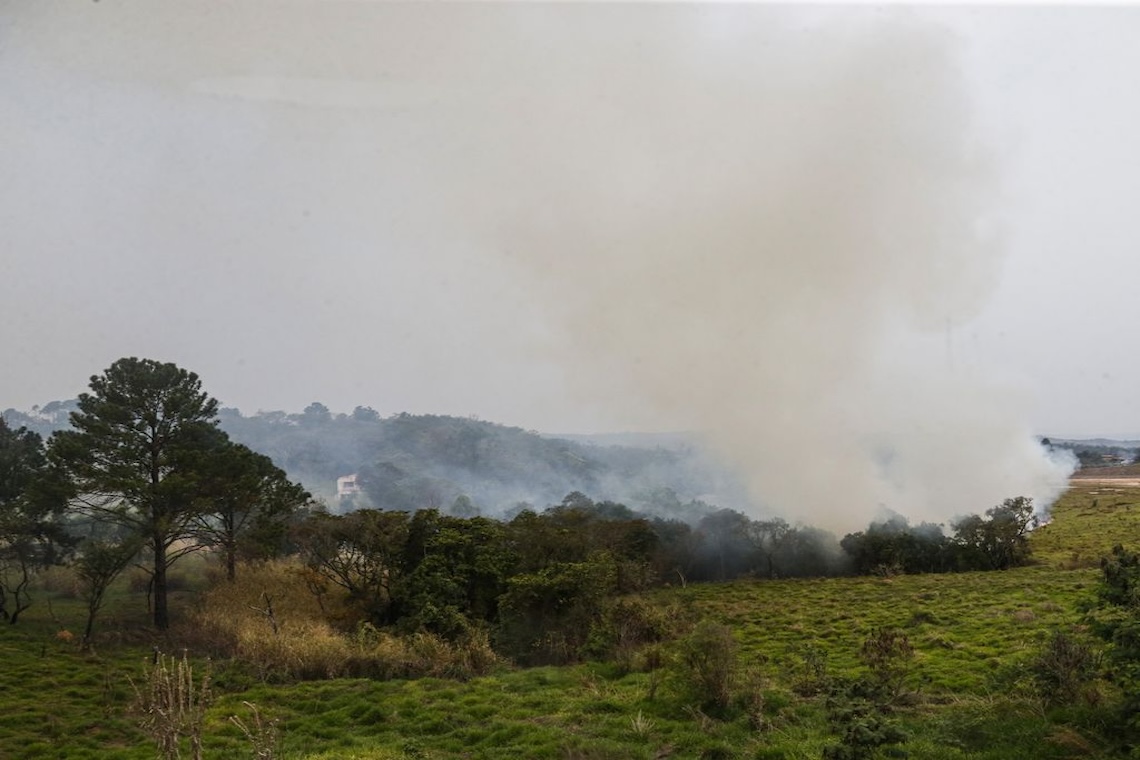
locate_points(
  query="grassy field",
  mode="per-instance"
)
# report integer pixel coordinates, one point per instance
(968, 692)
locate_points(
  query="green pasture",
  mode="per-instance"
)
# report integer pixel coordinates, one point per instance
(969, 692)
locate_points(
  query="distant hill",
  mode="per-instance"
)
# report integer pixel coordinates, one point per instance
(1098, 452)
(44, 420)
(677, 440)
(466, 465)
(1107, 443)
(410, 461)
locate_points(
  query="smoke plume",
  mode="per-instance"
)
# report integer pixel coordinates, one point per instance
(765, 231)
(766, 224)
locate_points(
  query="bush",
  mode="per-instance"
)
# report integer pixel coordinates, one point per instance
(1117, 621)
(860, 721)
(859, 711)
(546, 616)
(708, 664)
(888, 655)
(807, 669)
(1064, 668)
(625, 627)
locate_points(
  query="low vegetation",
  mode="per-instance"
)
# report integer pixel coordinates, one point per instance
(238, 619)
(957, 665)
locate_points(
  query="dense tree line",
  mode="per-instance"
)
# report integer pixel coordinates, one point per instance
(144, 473)
(998, 541)
(542, 580)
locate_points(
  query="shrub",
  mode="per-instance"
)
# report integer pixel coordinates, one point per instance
(625, 627)
(859, 711)
(888, 655)
(1117, 621)
(708, 662)
(546, 616)
(1063, 668)
(860, 721)
(807, 669)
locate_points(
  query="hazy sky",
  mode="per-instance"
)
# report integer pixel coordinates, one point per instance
(506, 210)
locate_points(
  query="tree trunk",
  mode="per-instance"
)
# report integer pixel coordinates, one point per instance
(88, 630)
(231, 562)
(161, 616)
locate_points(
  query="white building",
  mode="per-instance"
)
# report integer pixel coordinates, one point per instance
(346, 486)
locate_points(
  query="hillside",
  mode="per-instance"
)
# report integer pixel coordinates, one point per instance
(408, 462)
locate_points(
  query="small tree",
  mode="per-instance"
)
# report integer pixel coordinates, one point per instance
(709, 661)
(362, 552)
(246, 504)
(1063, 667)
(859, 711)
(31, 536)
(134, 455)
(888, 655)
(1117, 621)
(1002, 541)
(100, 561)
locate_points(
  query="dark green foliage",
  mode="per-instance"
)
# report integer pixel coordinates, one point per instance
(579, 528)
(541, 579)
(546, 616)
(134, 455)
(728, 544)
(245, 504)
(454, 571)
(998, 541)
(21, 460)
(859, 711)
(1117, 621)
(31, 534)
(860, 723)
(145, 455)
(363, 553)
(708, 659)
(1064, 667)
(893, 546)
(727, 549)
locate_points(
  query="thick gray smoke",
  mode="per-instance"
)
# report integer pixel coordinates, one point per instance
(766, 224)
(765, 231)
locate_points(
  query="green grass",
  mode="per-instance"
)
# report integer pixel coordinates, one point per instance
(1088, 520)
(972, 632)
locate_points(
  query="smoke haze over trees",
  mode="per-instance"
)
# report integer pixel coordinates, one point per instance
(145, 471)
(766, 224)
(467, 466)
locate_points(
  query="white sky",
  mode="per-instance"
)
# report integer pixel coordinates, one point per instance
(263, 192)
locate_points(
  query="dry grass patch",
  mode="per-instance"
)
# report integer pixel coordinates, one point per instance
(272, 624)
